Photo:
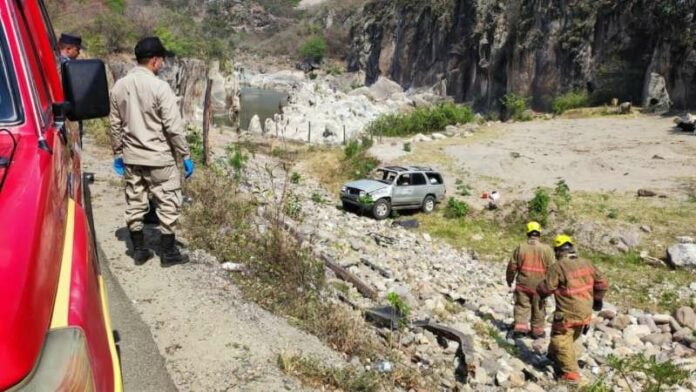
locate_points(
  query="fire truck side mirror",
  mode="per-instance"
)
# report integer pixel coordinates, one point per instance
(86, 89)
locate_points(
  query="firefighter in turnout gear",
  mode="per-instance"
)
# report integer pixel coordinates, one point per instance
(527, 268)
(578, 287)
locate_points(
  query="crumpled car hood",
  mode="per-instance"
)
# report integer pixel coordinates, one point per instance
(367, 185)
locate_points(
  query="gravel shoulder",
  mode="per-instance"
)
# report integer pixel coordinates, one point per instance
(210, 338)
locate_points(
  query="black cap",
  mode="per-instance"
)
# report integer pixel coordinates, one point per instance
(69, 39)
(151, 47)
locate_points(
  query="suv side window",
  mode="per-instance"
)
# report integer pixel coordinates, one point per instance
(434, 178)
(417, 179)
(404, 180)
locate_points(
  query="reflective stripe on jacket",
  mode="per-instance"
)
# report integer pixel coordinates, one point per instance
(575, 282)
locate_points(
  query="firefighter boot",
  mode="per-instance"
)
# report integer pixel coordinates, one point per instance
(170, 252)
(140, 253)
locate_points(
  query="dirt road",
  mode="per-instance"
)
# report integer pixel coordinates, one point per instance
(211, 338)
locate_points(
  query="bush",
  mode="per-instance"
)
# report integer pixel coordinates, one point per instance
(313, 48)
(539, 206)
(516, 107)
(407, 147)
(456, 209)
(356, 160)
(421, 120)
(570, 100)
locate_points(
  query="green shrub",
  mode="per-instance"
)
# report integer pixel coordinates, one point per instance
(356, 160)
(401, 307)
(317, 198)
(421, 120)
(456, 209)
(295, 178)
(562, 192)
(570, 100)
(407, 147)
(195, 142)
(539, 206)
(613, 213)
(313, 48)
(516, 107)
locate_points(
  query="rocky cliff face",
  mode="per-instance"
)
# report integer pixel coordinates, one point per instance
(482, 49)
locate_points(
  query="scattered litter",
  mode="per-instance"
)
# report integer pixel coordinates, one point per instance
(384, 367)
(385, 273)
(382, 240)
(407, 223)
(233, 267)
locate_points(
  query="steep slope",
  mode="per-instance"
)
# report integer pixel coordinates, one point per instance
(483, 49)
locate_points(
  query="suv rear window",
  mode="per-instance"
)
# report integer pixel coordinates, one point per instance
(434, 178)
(9, 112)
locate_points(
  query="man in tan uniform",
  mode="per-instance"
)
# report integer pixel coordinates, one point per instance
(528, 267)
(147, 134)
(579, 288)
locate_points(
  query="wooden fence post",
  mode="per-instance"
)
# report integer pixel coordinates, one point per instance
(206, 121)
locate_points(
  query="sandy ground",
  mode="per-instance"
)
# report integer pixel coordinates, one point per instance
(594, 154)
(210, 337)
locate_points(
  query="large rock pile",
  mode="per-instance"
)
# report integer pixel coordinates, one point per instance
(458, 290)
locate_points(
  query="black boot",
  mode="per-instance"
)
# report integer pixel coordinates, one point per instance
(140, 253)
(170, 252)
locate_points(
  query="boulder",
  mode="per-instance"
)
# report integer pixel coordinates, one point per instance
(608, 311)
(255, 125)
(438, 136)
(384, 88)
(625, 108)
(686, 317)
(620, 322)
(633, 333)
(656, 98)
(682, 256)
(649, 322)
(657, 339)
(683, 335)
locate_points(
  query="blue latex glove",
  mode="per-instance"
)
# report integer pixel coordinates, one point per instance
(119, 167)
(188, 167)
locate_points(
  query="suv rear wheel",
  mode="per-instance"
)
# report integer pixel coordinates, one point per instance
(381, 209)
(428, 204)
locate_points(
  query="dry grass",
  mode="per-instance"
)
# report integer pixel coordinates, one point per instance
(98, 130)
(315, 374)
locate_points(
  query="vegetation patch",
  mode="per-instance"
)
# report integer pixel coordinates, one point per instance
(516, 107)
(570, 100)
(421, 120)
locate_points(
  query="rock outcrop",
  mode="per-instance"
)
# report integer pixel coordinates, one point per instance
(481, 49)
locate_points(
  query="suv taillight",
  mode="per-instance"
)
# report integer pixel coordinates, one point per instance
(63, 366)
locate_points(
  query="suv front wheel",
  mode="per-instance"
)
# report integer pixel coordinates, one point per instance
(428, 204)
(381, 209)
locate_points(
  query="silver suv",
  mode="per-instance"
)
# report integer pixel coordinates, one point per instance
(395, 188)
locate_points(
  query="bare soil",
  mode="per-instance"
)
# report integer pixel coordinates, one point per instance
(601, 154)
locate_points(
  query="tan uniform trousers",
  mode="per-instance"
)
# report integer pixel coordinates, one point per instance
(164, 184)
(529, 306)
(565, 348)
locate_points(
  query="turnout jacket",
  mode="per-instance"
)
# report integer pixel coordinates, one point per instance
(575, 283)
(529, 263)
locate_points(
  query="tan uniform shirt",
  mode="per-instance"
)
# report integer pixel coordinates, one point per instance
(575, 282)
(529, 264)
(146, 127)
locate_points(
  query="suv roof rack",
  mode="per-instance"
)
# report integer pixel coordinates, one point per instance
(421, 168)
(396, 168)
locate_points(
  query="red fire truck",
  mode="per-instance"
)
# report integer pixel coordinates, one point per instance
(55, 331)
